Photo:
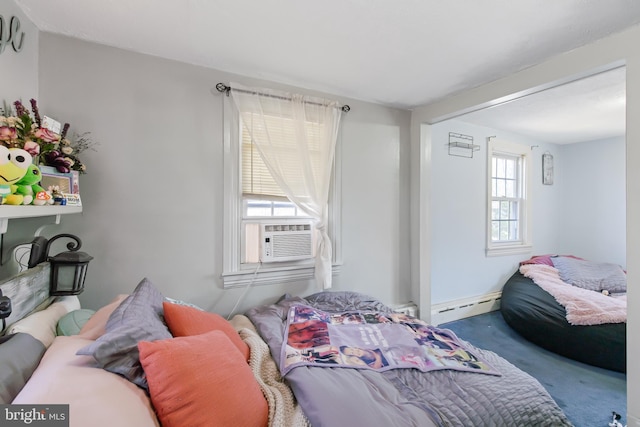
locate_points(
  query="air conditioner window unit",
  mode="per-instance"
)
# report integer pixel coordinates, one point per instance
(286, 241)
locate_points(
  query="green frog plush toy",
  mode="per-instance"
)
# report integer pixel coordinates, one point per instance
(14, 163)
(28, 186)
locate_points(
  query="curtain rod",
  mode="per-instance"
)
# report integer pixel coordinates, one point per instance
(221, 87)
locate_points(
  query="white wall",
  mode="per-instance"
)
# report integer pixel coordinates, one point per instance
(374, 215)
(610, 51)
(19, 70)
(18, 81)
(594, 200)
(153, 192)
(459, 266)
(633, 228)
(582, 213)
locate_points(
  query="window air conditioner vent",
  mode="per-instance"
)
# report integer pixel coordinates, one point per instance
(286, 242)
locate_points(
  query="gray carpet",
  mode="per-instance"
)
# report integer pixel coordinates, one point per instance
(588, 395)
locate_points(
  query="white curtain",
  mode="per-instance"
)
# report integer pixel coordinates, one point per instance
(296, 138)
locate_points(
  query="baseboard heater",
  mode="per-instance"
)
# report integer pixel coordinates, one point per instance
(467, 307)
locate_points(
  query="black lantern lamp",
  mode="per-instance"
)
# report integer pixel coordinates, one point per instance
(68, 269)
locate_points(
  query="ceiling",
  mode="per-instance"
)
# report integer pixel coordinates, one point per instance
(397, 53)
(588, 109)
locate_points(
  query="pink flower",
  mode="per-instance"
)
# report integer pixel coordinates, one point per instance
(32, 148)
(46, 135)
(7, 133)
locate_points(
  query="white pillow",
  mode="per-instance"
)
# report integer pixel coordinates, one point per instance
(42, 324)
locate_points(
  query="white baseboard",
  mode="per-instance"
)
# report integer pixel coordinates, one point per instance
(467, 307)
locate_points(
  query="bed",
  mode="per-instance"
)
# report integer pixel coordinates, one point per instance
(543, 308)
(148, 360)
(405, 396)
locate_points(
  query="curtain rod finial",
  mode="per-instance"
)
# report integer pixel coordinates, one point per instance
(221, 87)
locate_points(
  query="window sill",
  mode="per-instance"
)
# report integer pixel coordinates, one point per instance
(508, 250)
(271, 276)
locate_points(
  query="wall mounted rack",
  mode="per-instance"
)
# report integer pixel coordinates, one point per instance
(461, 145)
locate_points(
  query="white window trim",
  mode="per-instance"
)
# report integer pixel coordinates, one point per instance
(526, 244)
(234, 273)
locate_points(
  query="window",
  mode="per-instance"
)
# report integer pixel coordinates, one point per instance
(262, 197)
(252, 198)
(509, 199)
(254, 207)
(256, 178)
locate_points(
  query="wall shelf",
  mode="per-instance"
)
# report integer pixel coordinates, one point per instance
(465, 145)
(461, 145)
(8, 212)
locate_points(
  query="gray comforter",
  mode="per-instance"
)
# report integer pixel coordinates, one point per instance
(334, 397)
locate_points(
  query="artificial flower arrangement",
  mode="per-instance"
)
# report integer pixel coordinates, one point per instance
(42, 138)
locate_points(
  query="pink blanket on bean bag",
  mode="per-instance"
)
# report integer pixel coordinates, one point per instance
(584, 307)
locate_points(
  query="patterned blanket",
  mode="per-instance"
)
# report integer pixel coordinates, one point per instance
(372, 340)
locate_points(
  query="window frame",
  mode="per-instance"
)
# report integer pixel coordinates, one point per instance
(237, 274)
(272, 201)
(524, 243)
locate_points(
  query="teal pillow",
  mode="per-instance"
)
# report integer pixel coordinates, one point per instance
(72, 322)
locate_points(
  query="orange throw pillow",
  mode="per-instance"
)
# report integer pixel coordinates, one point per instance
(185, 321)
(202, 380)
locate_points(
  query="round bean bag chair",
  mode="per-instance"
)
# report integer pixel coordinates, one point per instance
(538, 317)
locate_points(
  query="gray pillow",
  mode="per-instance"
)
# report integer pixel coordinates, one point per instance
(339, 301)
(138, 318)
(594, 276)
(20, 355)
